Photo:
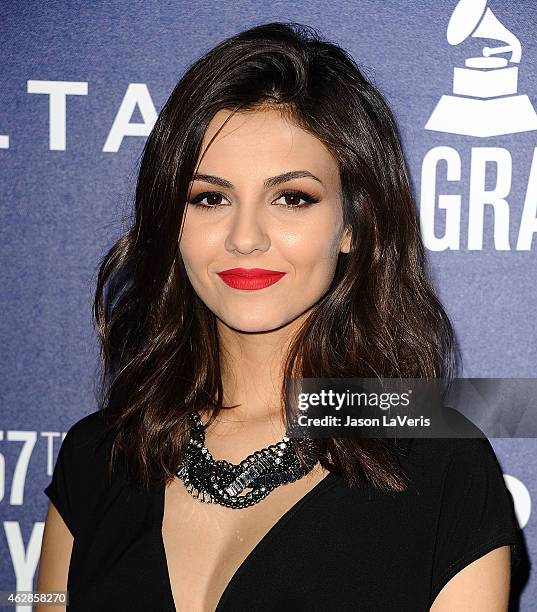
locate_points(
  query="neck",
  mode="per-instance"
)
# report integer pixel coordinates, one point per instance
(252, 371)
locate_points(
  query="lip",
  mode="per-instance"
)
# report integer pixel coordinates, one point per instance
(250, 278)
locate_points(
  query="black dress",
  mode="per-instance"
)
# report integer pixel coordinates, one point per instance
(338, 548)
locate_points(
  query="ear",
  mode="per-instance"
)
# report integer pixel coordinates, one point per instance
(346, 240)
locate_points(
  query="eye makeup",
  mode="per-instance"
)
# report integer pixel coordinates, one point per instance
(298, 194)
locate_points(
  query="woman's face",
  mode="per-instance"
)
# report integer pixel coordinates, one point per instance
(244, 213)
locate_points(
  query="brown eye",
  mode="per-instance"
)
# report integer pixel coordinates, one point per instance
(292, 200)
(214, 199)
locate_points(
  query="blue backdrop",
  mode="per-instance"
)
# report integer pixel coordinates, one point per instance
(82, 83)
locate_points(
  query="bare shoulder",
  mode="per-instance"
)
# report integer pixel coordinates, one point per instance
(58, 538)
(482, 586)
(55, 556)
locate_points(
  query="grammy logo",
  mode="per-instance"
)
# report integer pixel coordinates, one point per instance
(485, 100)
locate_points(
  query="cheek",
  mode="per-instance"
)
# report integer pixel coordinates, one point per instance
(197, 246)
(188, 250)
(313, 248)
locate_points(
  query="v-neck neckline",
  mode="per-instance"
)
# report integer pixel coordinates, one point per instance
(330, 478)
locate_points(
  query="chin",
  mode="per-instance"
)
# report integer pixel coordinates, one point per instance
(255, 324)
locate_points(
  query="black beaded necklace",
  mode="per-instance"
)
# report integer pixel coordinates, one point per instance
(220, 482)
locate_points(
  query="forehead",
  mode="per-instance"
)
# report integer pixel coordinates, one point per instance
(265, 139)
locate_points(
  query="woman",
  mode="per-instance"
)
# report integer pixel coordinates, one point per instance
(275, 237)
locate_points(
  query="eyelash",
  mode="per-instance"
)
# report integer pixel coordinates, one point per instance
(308, 199)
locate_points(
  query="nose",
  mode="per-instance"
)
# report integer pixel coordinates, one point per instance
(247, 232)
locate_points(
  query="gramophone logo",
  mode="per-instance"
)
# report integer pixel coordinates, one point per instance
(485, 101)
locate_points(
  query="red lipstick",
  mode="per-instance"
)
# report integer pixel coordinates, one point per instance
(250, 278)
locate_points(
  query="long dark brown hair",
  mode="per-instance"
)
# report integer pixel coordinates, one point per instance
(380, 317)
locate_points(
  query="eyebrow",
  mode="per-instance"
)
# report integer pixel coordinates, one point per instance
(270, 182)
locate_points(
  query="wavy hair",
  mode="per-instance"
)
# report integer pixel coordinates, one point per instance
(160, 354)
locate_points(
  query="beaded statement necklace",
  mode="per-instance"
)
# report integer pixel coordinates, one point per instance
(220, 482)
